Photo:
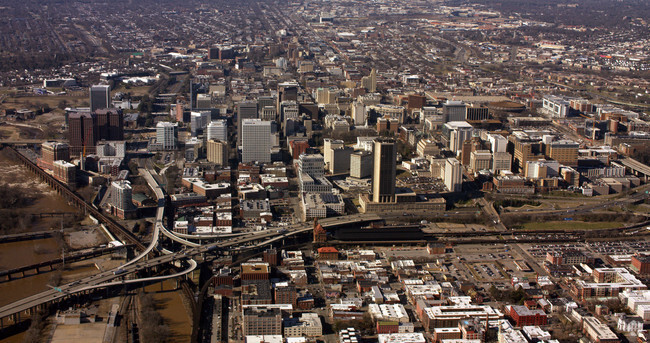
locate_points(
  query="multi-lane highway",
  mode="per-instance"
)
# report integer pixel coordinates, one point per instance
(184, 258)
(639, 194)
(106, 279)
(119, 275)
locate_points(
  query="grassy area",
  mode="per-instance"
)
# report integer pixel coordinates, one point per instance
(642, 208)
(51, 100)
(566, 194)
(571, 224)
(402, 174)
(134, 90)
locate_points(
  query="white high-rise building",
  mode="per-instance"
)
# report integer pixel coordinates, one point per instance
(121, 195)
(361, 164)
(358, 113)
(167, 135)
(498, 143)
(255, 141)
(311, 164)
(455, 133)
(311, 174)
(329, 145)
(218, 130)
(453, 175)
(501, 161)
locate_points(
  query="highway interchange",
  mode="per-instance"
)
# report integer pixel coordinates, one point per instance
(139, 263)
(153, 256)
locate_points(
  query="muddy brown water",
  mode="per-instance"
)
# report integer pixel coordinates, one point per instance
(172, 310)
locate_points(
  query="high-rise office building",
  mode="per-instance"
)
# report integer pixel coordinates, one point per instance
(256, 135)
(564, 151)
(454, 111)
(121, 194)
(455, 133)
(311, 164)
(501, 161)
(110, 124)
(480, 160)
(199, 122)
(245, 110)
(340, 163)
(358, 114)
(268, 113)
(85, 129)
(53, 151)
(100, 97)
(383, 178)
(477, 113)
(217, 152)
(121, 198)
(453, 175)
(361, 164)
(311, 174)
(289, 110)
(329, 145)
(193, 149)
(218, 130)
(167, 135)
(111, 149)
(82, 133)
(497, 142)
(264, 101)
(524, 148)
(370, 82)
(286, 91)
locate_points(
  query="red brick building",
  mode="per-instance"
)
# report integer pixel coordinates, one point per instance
(641, 264)
(320, 235)
(255, 271)
(285, 294)
(271, 257)
(328, 253)
(387, 327)
(298, 148)
(524, 316)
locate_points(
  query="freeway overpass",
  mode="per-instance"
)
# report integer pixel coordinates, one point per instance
(25, 141)
(637, 168)
(115, 277)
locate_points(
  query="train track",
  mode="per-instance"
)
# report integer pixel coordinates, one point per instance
(79, 202)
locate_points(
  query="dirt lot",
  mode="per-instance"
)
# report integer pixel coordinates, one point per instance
(85, 238)
(53, 101)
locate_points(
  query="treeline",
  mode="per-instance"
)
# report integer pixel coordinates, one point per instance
(515, 203)
(513, 220)
(642, 155)
(151, 324)
(13, 197)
